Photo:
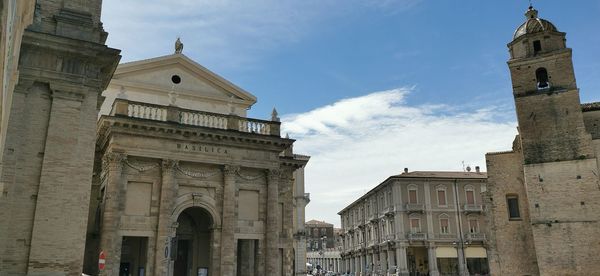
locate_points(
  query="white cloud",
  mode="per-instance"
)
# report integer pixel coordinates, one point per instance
(357, 143)
(225, 33)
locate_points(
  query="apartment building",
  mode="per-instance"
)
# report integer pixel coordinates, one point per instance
(417, 223)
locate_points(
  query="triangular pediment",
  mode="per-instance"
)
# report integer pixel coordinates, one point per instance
(196, 81)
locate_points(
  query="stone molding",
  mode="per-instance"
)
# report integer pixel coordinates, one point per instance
(197, 173)
(141, 167)
(230, 169)
(114, 158)
(169, 164)
(249, 177)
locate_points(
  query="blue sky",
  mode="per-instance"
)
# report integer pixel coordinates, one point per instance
(367, 87)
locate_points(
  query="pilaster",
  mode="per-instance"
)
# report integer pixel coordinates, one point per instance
(402, 264)
(165, 224)
(272, 237)
(110, 240)
(228, 241)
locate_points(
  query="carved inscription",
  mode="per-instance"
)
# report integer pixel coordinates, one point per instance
(189, 147)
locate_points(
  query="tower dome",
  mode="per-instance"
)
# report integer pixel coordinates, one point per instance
(533, 24)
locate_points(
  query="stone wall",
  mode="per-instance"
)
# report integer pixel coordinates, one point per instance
(564, 204)
(511, 249)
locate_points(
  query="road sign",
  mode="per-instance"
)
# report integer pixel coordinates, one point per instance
(101, 260)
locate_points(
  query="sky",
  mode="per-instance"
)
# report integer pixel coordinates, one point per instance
(366, 87)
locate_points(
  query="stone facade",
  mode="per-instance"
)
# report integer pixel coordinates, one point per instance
(214, 190)
(417, 222)
(543, 195)
(15, 16)
(48, 154)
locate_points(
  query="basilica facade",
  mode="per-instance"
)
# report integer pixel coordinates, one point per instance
(185, 183)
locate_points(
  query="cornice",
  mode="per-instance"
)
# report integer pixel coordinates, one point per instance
(108, 126)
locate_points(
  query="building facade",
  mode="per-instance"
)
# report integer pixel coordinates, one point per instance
(48, 150)
(185, 183)
(543, 194)
(417, 223)
(322, 246)
(319, 235)
(325, 260)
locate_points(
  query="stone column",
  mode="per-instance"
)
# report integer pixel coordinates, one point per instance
(401, 260)
(462, 266)
(390, 259)
(272, 237)
(432, 256)
(228, 224)
(165, 224)
(110, 240)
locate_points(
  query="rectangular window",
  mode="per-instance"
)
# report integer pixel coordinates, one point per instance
(415, 225)
(444, 229)
(412, 196)
(441, 197)
(470, 197)
(513, 207)
(473, 226)
(537, 46)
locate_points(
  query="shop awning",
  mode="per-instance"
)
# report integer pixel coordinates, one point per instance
(446, 252)
(475, 252)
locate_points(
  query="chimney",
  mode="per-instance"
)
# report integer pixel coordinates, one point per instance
(477, 169)
(405, 170)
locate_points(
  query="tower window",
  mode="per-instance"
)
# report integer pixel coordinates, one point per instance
(537, 47)
(513, 207)
(542, 78)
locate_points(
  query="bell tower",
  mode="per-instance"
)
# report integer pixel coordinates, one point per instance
(546, 94)
(559, 163)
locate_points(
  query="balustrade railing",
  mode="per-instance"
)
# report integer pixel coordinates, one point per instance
(147, 111)
(415, 207)
(253, 126)
(122, 107)
(473, 208)
(475, 236)
(203, 119)
(417, 236)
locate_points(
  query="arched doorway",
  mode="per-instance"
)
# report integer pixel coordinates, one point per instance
(193, 252)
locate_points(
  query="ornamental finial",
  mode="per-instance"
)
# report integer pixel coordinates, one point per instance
(274, 115)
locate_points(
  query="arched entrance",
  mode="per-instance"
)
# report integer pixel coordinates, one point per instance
(193, 252)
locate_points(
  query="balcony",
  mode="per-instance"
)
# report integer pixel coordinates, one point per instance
(389, 211)
(414, 208)
(389, 238)
(182, 116)
(417, 236)
(475, 237)
(372, 217)
(472, 208)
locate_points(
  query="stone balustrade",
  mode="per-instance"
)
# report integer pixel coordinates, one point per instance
(415, 208)
(475, 236)
(417, 236)
(473, 208)
(122, 107)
